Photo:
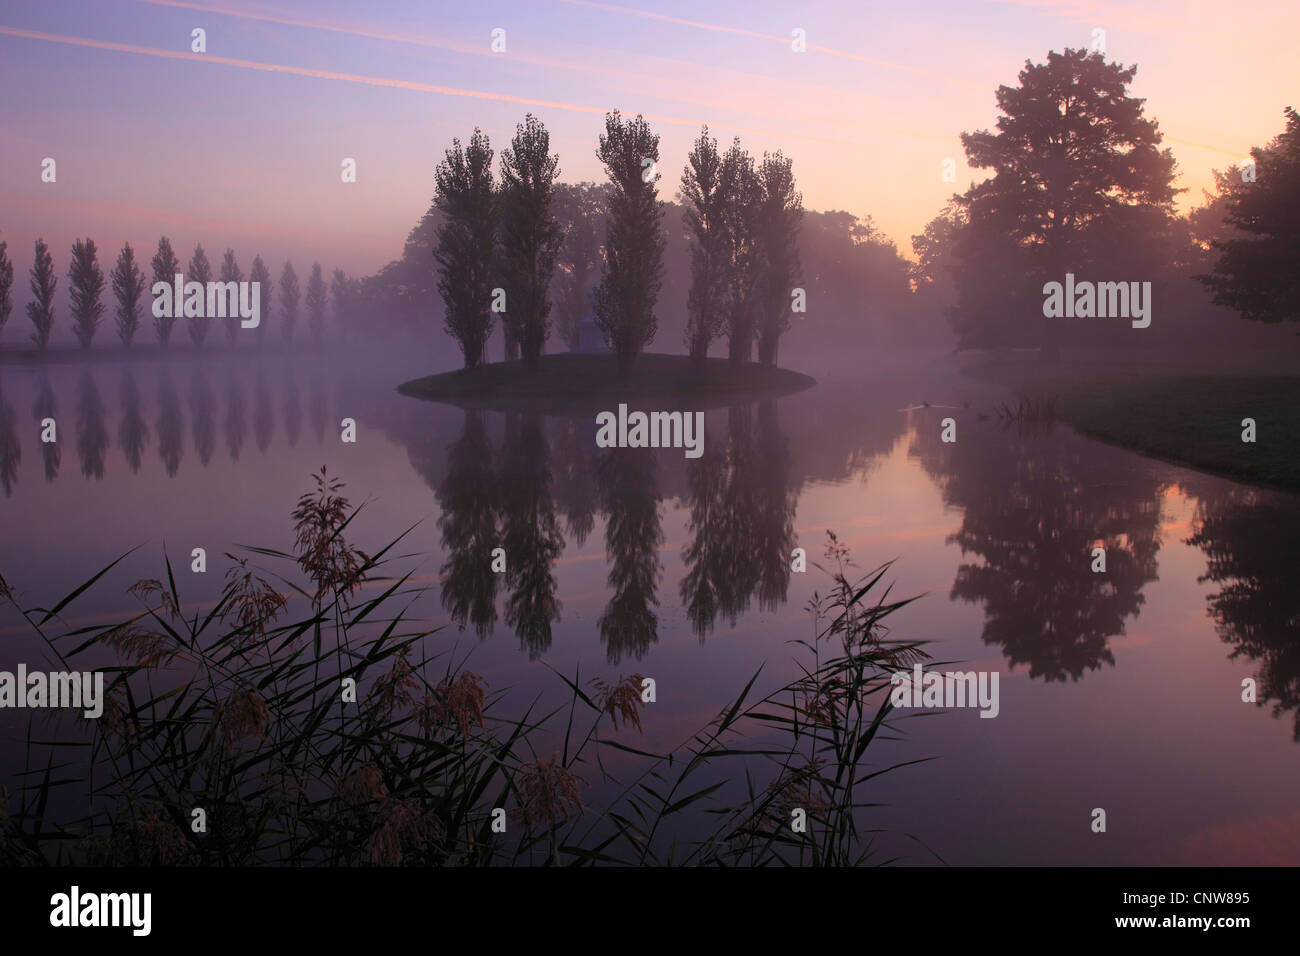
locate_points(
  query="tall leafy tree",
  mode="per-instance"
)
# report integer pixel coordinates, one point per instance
(779, 215)
(529, 236)
(261, 276)
(86, 290)
(704, 205)
(230, 272)
(464, 250)
(1075, 161)
(289, 295)
(1258, 269)
(742, 194)
(43, 283)
(128, 287)
(201, 272)
(6, 285)
(634, 239)
(165, 267)
(317, 299)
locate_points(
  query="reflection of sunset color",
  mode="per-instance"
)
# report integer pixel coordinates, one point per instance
(248, 155)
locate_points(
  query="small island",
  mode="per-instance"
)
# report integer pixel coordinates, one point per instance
(574, 381)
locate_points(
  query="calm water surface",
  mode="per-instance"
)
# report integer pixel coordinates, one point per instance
(1120, 691)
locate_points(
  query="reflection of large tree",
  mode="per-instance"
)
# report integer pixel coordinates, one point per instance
(468, 524)
(629, 495)
(530, 532)
(132, 431)
(1034, 507)
(742, 520)
(1249, 542)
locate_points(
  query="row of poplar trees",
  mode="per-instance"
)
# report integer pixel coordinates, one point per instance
(497, 244)
(86, 283)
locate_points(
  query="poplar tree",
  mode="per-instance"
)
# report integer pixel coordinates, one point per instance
(742, 196)
(230, 273)
(702, 199)
(289, 300)
(43, 283)
(128, 287)
(316, 301)
(261, 275)
(634, 239)
(165, 266)
(200, 272)
(779, 215)
(85, 289)
(529, 236)
(6, 285)
(464, 250)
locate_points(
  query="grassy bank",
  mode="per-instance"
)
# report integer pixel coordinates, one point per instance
(1189, 418)
(587, 380)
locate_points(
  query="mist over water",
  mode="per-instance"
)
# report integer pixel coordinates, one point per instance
(1117, 690)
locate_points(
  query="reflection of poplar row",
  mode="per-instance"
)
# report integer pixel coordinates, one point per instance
(93, 438)
(742, 525)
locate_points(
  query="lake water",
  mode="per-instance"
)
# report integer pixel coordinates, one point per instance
(1119, 691)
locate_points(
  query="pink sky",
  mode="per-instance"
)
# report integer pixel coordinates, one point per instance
(241, 146)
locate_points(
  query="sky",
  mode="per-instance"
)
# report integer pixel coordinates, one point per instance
(242, 145)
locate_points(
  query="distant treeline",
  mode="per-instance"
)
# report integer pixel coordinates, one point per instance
(279, 305)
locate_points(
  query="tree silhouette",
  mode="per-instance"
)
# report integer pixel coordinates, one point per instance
(742, 192)
(316, 301)
(529, 236)
(530, 531)
(1034, 506)
(85, 289)
(261, 275)
(6, 285)
(465, 243)
(629, 495)
(43, 283)
(779, 215)
(203, 419)
(165, 268)
(634, 240)
(201, 272)
(467, 498)
(230, 273)
(1248, 537)
(1074, 159)
(289, 300)
(1256, 272)
(128, 287)
(703, 199)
